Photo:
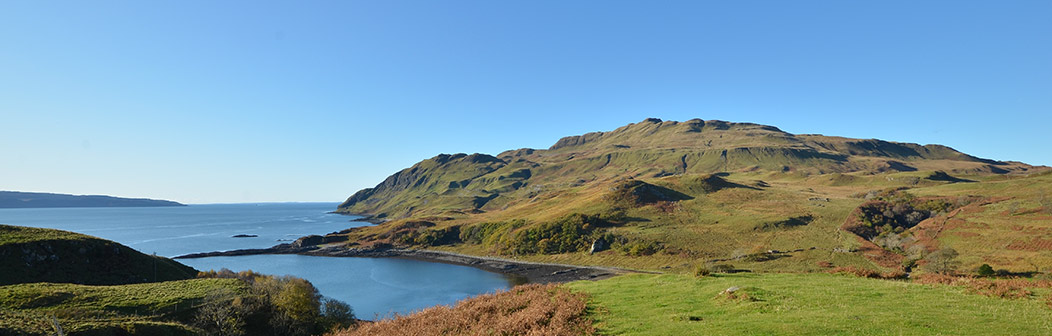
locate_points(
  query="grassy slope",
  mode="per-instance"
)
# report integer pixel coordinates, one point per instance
(802, 304)
(1014, 232)
(724, 223)
(41, 269)
(150, 308)
(578, 173)
(47, 255)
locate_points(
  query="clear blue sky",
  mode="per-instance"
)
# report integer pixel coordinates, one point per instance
(246, 101)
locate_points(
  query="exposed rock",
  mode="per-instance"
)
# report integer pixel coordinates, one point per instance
(598, 245)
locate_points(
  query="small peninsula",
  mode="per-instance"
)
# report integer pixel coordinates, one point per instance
(15, 199)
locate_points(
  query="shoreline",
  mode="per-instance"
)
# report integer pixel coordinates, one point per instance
(519, 271)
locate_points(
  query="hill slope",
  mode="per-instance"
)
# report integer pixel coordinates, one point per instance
(672, 195)
(651, 148)
(15, 199)
(47, 255)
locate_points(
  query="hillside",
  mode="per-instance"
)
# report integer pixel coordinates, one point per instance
(48, 255)
(666, 195)
(58, 280)
(15, 199)
(648, 149)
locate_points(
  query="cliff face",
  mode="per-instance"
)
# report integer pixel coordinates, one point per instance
(46, 255)
(464, 183)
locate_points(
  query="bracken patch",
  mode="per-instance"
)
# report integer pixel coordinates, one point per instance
(1012, 288)
(524, 310)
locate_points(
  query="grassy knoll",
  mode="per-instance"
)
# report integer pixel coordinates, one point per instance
(802, 304)
(140, 309)
(48, 255)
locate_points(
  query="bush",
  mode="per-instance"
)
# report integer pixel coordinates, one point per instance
(641, 248)
(702, 271)
(723, 268)
(336, 314)
(985, 270)
(273, 305)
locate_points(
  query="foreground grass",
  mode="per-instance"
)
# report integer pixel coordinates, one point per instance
(26, 309)
(802, 304)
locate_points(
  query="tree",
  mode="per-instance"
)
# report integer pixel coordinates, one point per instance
(942, 261)
(336, 314)
(218, 316)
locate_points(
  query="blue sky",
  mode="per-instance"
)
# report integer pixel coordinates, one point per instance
(249, 101)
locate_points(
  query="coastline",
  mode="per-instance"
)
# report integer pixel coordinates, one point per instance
(519, 271)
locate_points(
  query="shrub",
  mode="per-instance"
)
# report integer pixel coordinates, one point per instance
(985, 270)
(641, 248)
(273, 305)
(336, 314)
(702, 271)
(723, 268)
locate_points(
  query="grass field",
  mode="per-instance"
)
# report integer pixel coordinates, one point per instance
(803, 304)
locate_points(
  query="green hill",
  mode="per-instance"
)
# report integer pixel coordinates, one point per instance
(47, 255)
(666, 195)
(84, 285)
(649, 149)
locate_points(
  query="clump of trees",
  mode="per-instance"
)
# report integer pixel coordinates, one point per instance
(571, 233)
(888, 214)
(271, 305)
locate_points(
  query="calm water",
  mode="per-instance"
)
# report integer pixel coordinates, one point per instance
(374, 287)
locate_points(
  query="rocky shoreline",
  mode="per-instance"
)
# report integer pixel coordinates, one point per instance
(519, 271)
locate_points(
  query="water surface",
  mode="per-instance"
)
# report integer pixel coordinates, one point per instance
(373, 287)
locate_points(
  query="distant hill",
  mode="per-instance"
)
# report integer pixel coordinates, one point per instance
(48, 255)
(15, 199)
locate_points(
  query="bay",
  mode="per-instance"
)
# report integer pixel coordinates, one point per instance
(374, 287)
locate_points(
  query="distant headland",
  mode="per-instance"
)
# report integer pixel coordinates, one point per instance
(15, 199)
